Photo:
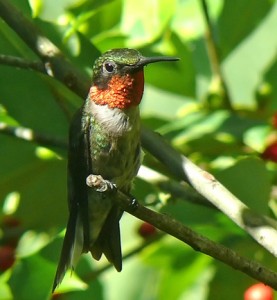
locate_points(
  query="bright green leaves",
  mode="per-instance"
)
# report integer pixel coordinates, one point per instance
(238, 20)
(249, 180)
(188, 273)
(182, 101)
(245, 66)
(30, 278)
(144, 21)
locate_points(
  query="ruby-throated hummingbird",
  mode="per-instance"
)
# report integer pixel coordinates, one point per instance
(104, 140)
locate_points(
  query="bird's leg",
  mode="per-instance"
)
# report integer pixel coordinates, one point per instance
(100, 184)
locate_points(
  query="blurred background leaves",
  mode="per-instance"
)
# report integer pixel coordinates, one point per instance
(183, 102)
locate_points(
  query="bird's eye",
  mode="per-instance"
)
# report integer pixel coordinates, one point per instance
(109, 67)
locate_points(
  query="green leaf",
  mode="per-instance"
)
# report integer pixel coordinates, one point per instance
(249, 180)
(226, 285)
(182, 268)
(106, 21)
(169, 103)
(5, 291)
(245, 65)
(256, 136)
(181, 71)
(238, 19)
(24, 6)
(143, 21)
(31, 278)
(225, 277)
(188, 19)
(30, 243)
(31, 177)
(24, 89)
(270, 77)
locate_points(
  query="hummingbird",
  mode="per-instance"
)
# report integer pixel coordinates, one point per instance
(104, 140)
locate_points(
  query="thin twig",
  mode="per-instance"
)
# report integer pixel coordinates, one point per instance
(214, 56)
(183, 191)
(30, 135)
(54, 61)
(180, 190)
(22, 63)
(197, 241)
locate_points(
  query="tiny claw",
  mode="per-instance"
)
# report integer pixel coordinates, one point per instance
(108, 186)
(133, 203)
(99, 183)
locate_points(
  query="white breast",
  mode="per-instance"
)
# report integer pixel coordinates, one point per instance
(115, 121)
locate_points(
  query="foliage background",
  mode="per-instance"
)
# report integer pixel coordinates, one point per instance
(183, 101)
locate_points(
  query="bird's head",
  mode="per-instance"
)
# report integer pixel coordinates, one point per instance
(118, 79)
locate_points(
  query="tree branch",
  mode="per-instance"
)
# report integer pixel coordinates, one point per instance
(30, 135)
(180, 190)
(261, 228)
(197, 241)
(55, 63)
(183, 233)
(22, 63)
(183, 191)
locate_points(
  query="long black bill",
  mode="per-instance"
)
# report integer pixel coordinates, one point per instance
(149, 60)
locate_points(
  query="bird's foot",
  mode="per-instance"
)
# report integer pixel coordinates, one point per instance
(100, 184)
